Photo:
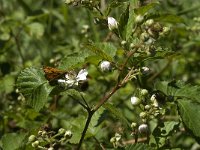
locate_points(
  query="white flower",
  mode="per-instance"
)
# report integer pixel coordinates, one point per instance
(73, 79)
(143, 128)
(82, 75)
(135, 101)
(105, 66)
(112, 23)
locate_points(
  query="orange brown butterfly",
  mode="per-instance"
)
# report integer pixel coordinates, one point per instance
(52, 74)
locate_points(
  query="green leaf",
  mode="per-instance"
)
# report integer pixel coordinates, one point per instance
(168, 18)
(169, 126)
(94, 126)
(71, 62)
(131, 21)
(179, 90)
(7, 83)
(32, 83)
(103, 52)
(144, 9)
(35, 29)
(138, 146)
(116, 112)
(190, 114)
(13, 141)
(123, 22)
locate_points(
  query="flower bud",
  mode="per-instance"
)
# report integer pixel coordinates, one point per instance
(68, 134)
(112, 140)
(133, 125)
(135, 101)
(149, 22)
(35, 144)
(143, 128)
(153, 98)
(112, 23)
(166, 30)
(50, 148)
(31, 138)
(144, 92)
(123, 42)
(147, 107)
(144, 36)
(61, 131)
(105, 66)
(40, 133)
(139, 18)
(132, 45)
(117, 136)
(143, 115)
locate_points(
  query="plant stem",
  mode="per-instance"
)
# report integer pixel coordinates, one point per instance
(90, 114)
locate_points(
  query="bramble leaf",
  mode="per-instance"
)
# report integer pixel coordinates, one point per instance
(123, 22)
(13, 141)
(190, 114)
(104, 50)
(33, 85)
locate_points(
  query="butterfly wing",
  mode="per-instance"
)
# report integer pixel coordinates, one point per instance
(52, 74)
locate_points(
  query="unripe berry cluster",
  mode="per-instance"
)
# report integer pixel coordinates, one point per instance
(50, 138)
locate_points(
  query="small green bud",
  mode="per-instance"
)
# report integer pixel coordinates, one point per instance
(144, 36)
(68, 134)
(40, 133)
(147, 107)
(123, 42)
(31, 138)
(133, 125)
(50, 148)
(139, 18)
(113, 140)
(132, 45)
(166, 30)
(61, 131)
(144, 92)
(143, 115)
(44, 133)
(149, 22)
(35, 144)
(117, 136)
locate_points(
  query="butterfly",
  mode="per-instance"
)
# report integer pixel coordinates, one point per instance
(53, 74)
